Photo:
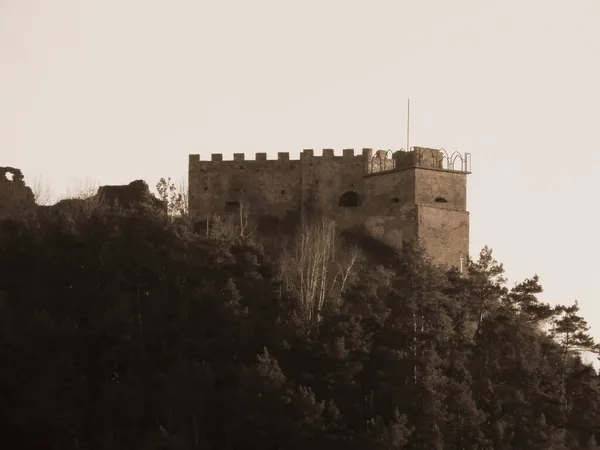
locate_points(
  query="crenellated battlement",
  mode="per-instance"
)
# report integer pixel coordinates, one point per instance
(327, 153)
(377, 161)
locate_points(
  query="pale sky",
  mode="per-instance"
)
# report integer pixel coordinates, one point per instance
(117, 90)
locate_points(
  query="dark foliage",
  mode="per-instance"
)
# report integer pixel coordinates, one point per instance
(127, 330)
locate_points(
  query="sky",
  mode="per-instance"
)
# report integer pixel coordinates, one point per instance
(109, 91)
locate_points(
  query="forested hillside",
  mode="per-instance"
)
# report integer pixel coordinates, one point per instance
(126, 329)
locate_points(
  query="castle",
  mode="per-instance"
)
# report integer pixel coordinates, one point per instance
(394, 196)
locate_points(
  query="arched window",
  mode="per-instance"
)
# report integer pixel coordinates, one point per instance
(349, 199)
(441, 200)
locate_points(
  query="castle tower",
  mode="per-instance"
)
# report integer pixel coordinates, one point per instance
(426, 192)
(395, 196)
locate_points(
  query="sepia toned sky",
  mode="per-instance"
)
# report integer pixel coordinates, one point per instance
(110, 91)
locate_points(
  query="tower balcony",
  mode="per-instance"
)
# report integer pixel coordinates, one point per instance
(421, 157)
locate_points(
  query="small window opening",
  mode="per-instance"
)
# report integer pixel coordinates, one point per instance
(205, 188)
(349, 199)
(283, 192)
(395, 200)
(241, 167)
(268, 222)
(351, 185)
(441, 200)
(317, 182)
(232, 206)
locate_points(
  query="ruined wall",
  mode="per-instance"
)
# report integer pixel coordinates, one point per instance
(129, 196)
(15, 196)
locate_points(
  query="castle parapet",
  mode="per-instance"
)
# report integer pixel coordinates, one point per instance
(419, 157)
(327, 153)
(376, 161)
(439, 159)
(381, 161)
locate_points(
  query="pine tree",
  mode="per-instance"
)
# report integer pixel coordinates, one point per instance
(570, 330)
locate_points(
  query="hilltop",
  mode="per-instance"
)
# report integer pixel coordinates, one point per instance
(123, 325)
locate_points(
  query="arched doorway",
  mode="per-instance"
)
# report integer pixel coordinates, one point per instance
(349, 199)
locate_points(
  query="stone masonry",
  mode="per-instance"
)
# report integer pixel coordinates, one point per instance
(394, 196)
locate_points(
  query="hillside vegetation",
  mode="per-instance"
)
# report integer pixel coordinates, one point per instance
(123, 328)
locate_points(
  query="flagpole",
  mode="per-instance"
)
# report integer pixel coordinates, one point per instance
(408, 126)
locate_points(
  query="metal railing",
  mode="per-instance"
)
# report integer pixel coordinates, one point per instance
(388, 160)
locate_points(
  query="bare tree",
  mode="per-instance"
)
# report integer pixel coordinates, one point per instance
(245, 225)
(80, 198)
(315, 271)
(221, 227)
(81, 190)
(42, 192)
(234, 225)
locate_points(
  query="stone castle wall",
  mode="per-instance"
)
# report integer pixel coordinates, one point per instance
(394, 196)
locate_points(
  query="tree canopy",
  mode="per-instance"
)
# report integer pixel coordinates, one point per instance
(126, 329)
